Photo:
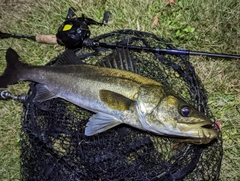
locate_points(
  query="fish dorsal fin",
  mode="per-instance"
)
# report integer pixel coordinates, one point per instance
(100, 122)
(68, 57)
(43, 93)
(119, 59)
(115, 101)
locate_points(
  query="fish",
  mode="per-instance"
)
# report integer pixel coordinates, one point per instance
(115, 96)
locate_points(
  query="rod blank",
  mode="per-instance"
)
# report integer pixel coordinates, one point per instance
(168, 51)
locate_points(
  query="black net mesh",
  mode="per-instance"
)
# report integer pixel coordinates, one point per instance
(54, 147)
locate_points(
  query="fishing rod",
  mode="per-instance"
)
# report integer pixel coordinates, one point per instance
(90, 43)
(52, 39)
(74, 33)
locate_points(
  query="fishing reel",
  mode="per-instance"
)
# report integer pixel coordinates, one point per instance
(74, 30)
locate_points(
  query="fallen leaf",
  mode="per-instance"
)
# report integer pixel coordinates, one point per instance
(155, 21)
(170, 1)
(218, 125)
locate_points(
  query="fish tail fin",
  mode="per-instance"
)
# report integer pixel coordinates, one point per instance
(15, 67)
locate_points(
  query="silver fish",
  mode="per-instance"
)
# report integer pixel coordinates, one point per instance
(116, 96)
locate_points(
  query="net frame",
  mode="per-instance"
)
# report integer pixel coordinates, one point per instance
(54, 147)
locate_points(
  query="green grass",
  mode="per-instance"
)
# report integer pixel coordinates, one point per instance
(192, 24)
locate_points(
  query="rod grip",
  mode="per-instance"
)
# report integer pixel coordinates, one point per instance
(48, 39)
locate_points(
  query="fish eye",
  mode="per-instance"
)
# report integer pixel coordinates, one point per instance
(185, 111)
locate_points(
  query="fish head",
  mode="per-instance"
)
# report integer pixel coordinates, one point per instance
(174, 117)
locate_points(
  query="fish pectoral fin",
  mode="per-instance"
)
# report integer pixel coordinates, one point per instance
(115, 101)
(100, 122)
(43, 93)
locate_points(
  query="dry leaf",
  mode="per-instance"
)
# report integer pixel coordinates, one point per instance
(218, 125)
(155, 21)
(170, 1)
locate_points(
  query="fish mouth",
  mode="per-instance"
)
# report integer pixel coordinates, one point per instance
(205, 124)
(208, 126)
(204, 135)
(200, 130)
(208, 131)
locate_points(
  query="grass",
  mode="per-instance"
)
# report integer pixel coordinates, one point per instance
(196, 25)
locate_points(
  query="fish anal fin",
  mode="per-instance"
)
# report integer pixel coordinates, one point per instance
(100, 122)
(43, 93)
(115, 101)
